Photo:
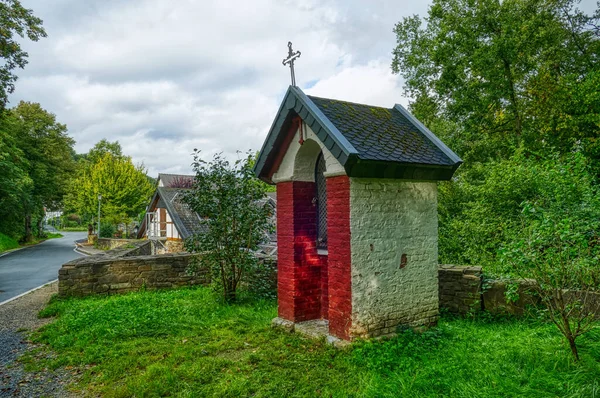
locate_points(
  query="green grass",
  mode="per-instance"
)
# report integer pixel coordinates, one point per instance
(185, 343)
(7, 243)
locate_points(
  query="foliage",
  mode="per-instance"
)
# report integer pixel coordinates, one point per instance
(38, 155)
(124, 187)
(558, 245)
(229, 198)
(491, 76)
(188, 343)
(15, 183)
(481, 209)
(7, 243)
(106, 230)
(15, 20)
(101, 148)
(507, 85)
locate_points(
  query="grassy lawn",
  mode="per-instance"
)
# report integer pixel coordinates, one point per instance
(185, 343)
(7, 243)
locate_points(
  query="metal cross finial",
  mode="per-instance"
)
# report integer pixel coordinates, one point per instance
(290, 60)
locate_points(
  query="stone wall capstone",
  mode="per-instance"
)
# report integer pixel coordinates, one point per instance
(125, 269)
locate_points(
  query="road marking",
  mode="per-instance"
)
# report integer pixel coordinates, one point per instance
(27, 292)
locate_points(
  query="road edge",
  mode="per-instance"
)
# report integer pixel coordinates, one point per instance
(35, 288)
(27, 292)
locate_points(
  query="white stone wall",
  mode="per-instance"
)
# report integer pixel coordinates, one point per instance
(389, 218)
(302, 168)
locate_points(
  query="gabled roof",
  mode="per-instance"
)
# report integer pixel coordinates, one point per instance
(185, 219)
(368, 141)
(168, 180)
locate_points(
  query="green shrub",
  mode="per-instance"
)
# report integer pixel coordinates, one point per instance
(106, 230)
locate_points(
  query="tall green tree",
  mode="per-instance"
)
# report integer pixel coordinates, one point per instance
(103, 147)
(124, 187)
(493, 75)
(15, 20)
(50, 155)
(15, 183)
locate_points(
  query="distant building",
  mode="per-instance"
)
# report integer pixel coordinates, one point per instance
(169, 218)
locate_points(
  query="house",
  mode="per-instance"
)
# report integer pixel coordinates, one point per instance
(170, 220)
(357, 226)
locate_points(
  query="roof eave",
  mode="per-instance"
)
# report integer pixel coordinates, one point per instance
(296, 101)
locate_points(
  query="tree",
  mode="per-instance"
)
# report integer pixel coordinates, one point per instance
(50, 165)
(228, 198)
(124, 187)
(15, 183)
(103, 147)
(558, 245)
(503, 83)
(15, 20)
(495, 75)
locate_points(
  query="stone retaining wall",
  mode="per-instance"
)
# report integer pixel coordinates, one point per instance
(463, 290)
(111, 243)
(459, 288)
(128, 268)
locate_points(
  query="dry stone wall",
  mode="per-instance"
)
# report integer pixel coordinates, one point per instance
(460, 288)
(463, 290)
(125, 269)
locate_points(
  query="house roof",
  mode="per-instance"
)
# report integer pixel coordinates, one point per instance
(186, 220)
(368, 141)
(169, 180)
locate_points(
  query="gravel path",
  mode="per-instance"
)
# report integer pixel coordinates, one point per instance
(17, 318)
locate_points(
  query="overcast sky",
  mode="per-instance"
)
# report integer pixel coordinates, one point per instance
(163, 77)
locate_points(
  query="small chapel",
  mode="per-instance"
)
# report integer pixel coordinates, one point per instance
(357, 223)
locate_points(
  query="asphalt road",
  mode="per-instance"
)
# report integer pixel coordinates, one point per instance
(28, 268)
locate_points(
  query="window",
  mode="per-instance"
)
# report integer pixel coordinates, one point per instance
(321, 197)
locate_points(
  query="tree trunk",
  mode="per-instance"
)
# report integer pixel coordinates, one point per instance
(230, 291)
(573, 348)
(28, 233)
(40, 228)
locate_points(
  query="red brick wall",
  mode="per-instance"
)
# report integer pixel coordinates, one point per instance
(302, 274)
(339, 272)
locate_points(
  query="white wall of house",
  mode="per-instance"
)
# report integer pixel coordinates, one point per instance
(162, 225)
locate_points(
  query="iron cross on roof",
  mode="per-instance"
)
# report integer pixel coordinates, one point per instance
(290, 60)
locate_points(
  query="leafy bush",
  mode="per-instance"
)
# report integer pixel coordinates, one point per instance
(106, 230)
(557, 243)
(228, 197)
(482, 209)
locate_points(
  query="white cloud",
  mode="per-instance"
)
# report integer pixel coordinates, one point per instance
(164, 77)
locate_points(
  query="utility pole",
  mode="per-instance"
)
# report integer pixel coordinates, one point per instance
(99, 199)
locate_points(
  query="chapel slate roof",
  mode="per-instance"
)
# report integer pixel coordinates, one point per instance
(381, 133)
(368, 141)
